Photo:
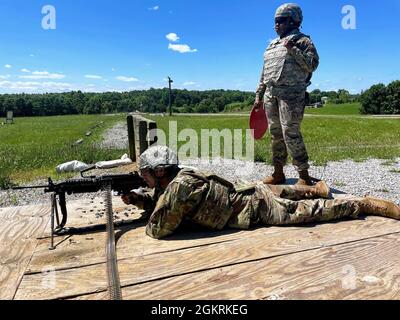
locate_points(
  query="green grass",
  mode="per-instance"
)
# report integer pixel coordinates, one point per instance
(327, 138)
(336, 109)
(33, 147)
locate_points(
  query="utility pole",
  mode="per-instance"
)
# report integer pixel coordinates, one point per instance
(170, 81)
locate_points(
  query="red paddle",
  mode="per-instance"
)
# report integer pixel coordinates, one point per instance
(258, 121)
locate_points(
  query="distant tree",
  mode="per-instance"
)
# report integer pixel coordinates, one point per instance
(392, 105)
(343, 96)
(373, 100)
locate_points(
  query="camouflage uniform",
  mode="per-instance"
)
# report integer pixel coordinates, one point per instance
(214, 203)
(285, 77)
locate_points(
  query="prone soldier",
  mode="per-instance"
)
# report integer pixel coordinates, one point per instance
(179, 194)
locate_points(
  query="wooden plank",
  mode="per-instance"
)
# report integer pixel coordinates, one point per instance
(151, 267)
(19, 228)
(80, 250)
(368, 269)
(22, 212)
(90, 212)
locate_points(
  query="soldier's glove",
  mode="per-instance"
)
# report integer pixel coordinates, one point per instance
(131, 198)
(289, 44)
(257, 105)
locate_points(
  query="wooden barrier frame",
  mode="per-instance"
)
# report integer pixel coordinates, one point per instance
(141, 135)
(10, 117)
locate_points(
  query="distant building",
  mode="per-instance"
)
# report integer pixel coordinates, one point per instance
(318, 105)
(324, 100)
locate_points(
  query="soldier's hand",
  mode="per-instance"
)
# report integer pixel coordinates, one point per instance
(257, 104)
(129, 198)
(289, 44)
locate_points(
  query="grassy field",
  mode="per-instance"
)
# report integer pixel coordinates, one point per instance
(327, 138)
(33, 147)
(336, 109)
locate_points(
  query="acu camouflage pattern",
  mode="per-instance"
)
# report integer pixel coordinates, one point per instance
(291, 10)
(273, 210)
(214, 205)
(285, 116)
(157, 156)
(284, 79)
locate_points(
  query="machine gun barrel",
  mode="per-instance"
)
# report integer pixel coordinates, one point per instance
(29, 187)
(120, 183)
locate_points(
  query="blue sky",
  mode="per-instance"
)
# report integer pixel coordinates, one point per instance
(102, 45)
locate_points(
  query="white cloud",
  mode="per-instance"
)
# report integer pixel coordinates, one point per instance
(31, 55)
(182, 48)
(155, 8)
(113, 69)
(5, 77)
(126, 79)
(8, 66)
(25, 70)
(189, 83)
(43, 75)
(93, 76)
(23, 86)
(172, 37)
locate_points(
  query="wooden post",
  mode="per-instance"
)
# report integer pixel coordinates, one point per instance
(143, 143)
(152, 133)
(144, 136)
(170, 81)
(10, 117)
(131, 139)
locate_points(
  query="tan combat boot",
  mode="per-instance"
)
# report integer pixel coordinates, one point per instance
(278, 177)
(380, 207)
(320, 190)
(305, 179)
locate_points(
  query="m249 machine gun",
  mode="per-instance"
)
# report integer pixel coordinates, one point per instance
(120, 183)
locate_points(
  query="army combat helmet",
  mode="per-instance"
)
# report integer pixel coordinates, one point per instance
(290, 10)
(158, 157)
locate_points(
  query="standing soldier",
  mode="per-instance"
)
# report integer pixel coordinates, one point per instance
(289, 62)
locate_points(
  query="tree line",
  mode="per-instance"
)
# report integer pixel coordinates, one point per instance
(381, 99)
(152, 100)
(336, 97)
(378, 99)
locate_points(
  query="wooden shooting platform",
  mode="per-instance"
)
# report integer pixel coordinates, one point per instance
(353, 259)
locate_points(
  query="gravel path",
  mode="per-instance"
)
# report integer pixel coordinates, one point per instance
(374, 177)
(116, 137)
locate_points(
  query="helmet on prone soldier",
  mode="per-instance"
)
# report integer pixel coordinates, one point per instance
(158, 157)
